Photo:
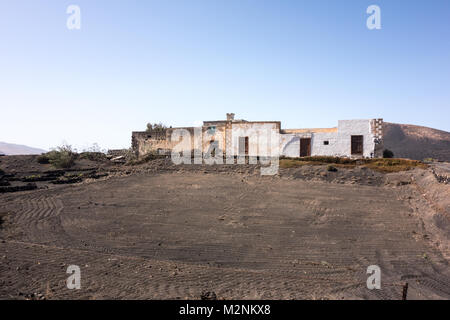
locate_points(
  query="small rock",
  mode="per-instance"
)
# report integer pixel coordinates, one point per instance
(208, 295)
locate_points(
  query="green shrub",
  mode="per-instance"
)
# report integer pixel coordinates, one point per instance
(43, 159)
(63, 157)
(2, 173)
(93, 156)
(156, 127)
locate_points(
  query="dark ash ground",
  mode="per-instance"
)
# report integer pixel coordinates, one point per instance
(164, 232)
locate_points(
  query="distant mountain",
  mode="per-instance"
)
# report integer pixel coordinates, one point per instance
(16, 149)
(416, 142)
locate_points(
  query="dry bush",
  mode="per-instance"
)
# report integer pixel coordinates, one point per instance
(43, 159)
(145, 158)
(156, 127)
(93, 156)
(382, 165)
(394, 165)
(63, 157)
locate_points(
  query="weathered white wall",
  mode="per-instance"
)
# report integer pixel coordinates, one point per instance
(290, 145)
(260, 138)
(339, 142)
(347, 128)
(258, 132)
(332, 149)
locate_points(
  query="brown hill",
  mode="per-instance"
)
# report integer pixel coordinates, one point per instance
(416, 142)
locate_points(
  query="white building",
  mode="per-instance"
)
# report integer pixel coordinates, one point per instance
(351, 138)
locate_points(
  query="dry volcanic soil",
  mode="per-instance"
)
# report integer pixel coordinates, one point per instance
(166, 232)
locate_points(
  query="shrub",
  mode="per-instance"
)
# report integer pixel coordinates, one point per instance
(62, 157)
(328, 159)
(2, 173)
(93, 156)
(145, 158)
(94, 148)
(43, 159)
(156, 127)
(382, 165)
(388, 154)
(331, 168)
(394, 165)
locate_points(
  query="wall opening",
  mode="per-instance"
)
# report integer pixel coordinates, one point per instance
(357, 145)
(213, 145)
(243, 146)
(305, 147)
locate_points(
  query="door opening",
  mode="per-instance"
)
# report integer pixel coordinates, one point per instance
(305, 147)
(357, 145)
(243, 146)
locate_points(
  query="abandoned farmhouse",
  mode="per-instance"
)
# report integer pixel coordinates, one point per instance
(351, 138)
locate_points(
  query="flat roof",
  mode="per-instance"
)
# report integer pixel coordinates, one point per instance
(313, 130)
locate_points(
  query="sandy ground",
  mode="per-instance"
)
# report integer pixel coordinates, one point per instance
(174, 234)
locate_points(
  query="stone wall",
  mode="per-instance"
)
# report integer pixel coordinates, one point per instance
(143, 142)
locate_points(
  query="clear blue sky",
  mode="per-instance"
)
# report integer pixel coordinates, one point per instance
(305, 63)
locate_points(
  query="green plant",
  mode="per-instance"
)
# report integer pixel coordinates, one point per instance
(43, 159)
(63, 157)
(156, 127)
(93, 156)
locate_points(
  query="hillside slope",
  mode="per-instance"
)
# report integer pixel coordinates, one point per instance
(416, 142)
(18, 149)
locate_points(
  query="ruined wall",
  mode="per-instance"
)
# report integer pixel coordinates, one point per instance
(253, 130)
(214, 133)
(377, 133)
(143, 142)
(290, 145)
(163, 142)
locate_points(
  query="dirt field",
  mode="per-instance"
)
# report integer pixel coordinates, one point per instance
(167, 232)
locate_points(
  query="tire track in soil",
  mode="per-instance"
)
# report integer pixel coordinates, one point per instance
(251, 272)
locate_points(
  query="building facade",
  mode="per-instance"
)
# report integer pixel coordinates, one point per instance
(351, 138)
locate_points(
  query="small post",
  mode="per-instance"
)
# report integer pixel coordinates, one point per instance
(405, 291)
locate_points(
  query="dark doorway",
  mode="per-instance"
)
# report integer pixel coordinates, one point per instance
(305, 147)
(357, 145)
(243, 146)
(213, 145)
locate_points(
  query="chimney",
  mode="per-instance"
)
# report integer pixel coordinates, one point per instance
(230, 116)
